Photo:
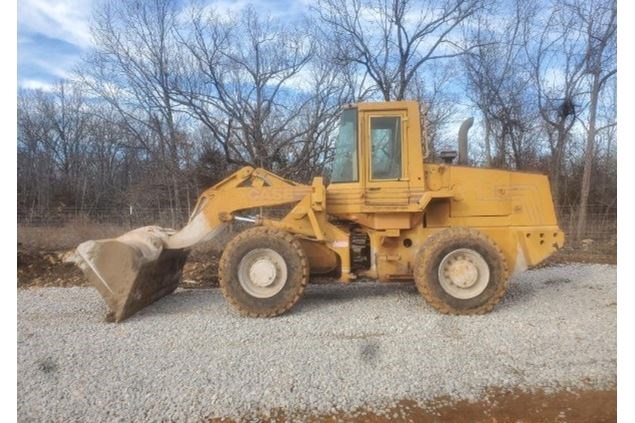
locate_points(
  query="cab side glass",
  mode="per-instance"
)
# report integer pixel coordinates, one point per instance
(345, 163)
(385, 137)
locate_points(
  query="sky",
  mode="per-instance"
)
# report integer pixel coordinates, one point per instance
(53, 34)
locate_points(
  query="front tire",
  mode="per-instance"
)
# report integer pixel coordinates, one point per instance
(461, 271)
(263, 272)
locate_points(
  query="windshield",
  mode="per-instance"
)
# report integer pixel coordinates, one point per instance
(345, 163)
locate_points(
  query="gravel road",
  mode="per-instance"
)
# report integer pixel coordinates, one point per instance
(189, 357)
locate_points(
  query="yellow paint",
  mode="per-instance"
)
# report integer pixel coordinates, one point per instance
(514, 208)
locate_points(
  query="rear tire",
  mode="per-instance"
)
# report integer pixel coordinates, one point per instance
(263, 272)
(461, 271)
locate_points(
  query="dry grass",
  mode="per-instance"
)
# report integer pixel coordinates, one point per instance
(52, 238)
(70, 235)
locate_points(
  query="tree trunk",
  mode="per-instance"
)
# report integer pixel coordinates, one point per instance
(556, 165)
(588, 160)
(488, 147)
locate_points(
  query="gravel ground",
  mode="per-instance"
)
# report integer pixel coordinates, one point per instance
(189, 357)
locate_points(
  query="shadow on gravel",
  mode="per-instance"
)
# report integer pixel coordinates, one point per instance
(195, 301)
(519, 292)
(318, 296)
(182, 303)
(314, 297)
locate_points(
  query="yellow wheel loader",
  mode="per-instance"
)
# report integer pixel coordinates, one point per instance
(458, 232)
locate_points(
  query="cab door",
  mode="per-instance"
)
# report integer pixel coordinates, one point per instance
(385, 158)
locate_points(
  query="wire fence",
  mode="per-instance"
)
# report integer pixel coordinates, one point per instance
(598, 241)
(123, 216)
(601, 224)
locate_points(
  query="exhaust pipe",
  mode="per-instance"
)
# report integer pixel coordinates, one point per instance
(465, 127)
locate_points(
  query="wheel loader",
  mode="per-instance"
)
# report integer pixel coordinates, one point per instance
(458, 232)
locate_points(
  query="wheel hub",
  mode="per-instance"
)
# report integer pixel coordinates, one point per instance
(464, 273)
(262, 272)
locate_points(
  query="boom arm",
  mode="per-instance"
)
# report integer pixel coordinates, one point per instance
(245, 189)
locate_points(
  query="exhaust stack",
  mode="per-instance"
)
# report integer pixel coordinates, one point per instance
(465, 127)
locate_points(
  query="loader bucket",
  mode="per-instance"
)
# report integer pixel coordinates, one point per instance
(132, 271)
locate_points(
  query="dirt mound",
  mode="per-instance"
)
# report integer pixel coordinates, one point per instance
(50, 268)
(201, 270)
(47, 268)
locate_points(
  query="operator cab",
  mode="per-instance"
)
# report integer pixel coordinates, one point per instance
(378, 160)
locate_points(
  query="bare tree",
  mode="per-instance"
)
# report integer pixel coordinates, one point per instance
(553, 45)
(252, 83)
(131, 67)
(35, 161)
(56, 125)
(438, 105)
(172, 96)
(499, 86)
(69, 155)
(392, 39)
(598, 24)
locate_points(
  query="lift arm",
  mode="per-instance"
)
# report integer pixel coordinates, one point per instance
(247, 188)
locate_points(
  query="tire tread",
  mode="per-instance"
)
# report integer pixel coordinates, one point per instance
(225, 271)
(426, 255)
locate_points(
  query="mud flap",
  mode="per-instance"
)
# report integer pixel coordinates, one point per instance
(132, 271)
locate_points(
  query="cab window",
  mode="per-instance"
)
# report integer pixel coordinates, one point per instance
(385, 135)
(345, 163)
